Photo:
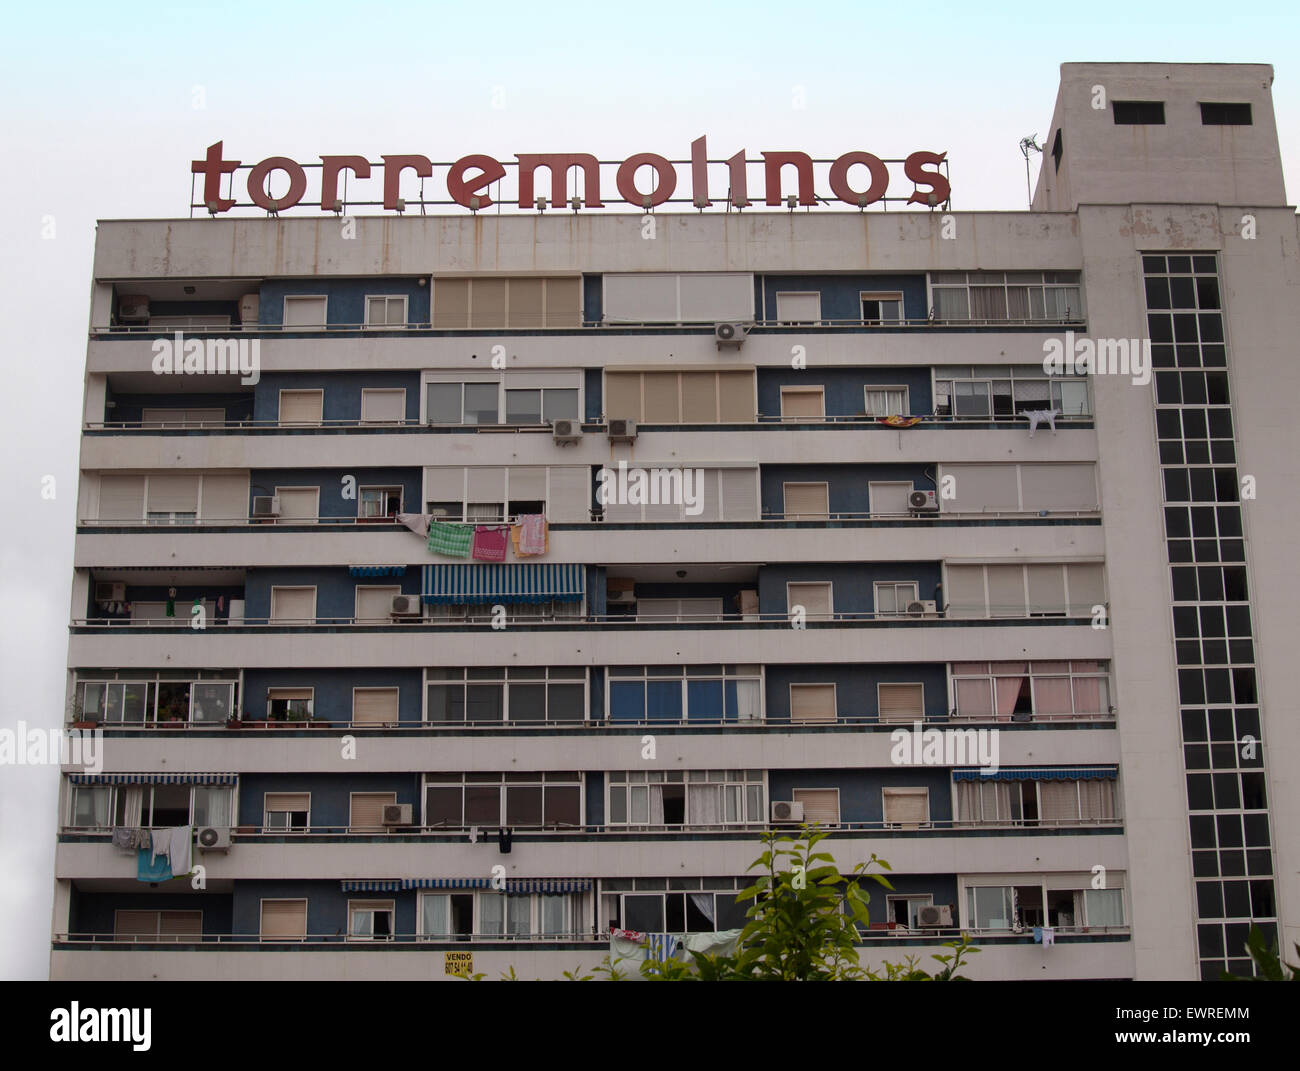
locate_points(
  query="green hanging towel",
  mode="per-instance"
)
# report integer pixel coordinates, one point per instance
(453, 540)
(171, 607)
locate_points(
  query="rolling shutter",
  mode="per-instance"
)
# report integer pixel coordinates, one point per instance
(984, 487)
(287, 801)
(821, 805)
(121, 498)
(284, 919)
(486, 484)
(737, 402)
(180, 923)
(815, 598)
(526, 484)
(889, 498)
(1087, 588)
(739, 494)
(563, 302)
(699, 397)
(374, 706)
(451, 304)
(805, 501)
(527, 299)
(135, 923)
(1006, 590)
(368, 810)
(965, 591)
(805, 308)
(304, 311)
(1046, 589)
(661, 398)
(905, 806)
(444, 484)
(386, 406)
(225, 497)
(298, 504)
(640, 298)
(487, 303)
(1058, 801)
(569, 494)
(812, 702)
(623, 395)
(901, 702)
(293, 604)
(173, 494)
(803, 403)
(301, 406)
(1060, 487)
(710, 298)
(373, 604)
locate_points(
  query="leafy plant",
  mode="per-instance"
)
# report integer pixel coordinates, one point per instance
(1269, 966)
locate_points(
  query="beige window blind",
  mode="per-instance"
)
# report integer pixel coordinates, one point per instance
(901, 702)
(522, 301)
(293, 604)
(981, 488)
(1087, 588)
(812, 702)
(1058, 801)
(907, 806)
(1046, 589)
(135, 923)
(180, 924)
(1006, 590)
(803, 402)
(569, 494)
(121, 498)
(304, 311)
(964, 591)
(797, 307)
(374, 603)
(806, 501)
(368, 811)
(694, 397)
(815, 598)
(298, 503)
(173, 494)
(284, 919)
(1097, 800)
(301, 406)
(225, 497)
(1059, 487)
(821, 805)
(287, 801)
(739, 490)
(889, 499)
(374, 706)
(172, 418)
(383, 406)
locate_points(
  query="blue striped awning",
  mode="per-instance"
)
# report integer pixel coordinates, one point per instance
(1039, 773)
(446, 883)
(527, 582)
(513, 885)
(154, 779)
(376, 570)
(372, 885)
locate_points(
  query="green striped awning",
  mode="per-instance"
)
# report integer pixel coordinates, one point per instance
(154, 779)
(492, 583)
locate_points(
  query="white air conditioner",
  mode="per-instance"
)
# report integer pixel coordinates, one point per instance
(405, 606)
(786, 811)
(922, 608)
(397, 814)
(923, 502)
(266, 506)
(132, 309)
(109, 592)
(620, 598)
(934, 915)
(622, 431)
(730, 334)
(566, 431)
(214, 838)
(249, 308)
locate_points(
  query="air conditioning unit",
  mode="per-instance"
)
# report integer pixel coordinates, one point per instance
(620, 598)
(566, 431)
(922, 608)
(785, 811)
(923, 502)
(214, 838)
(935, 916)
(266, 506)
(110, 592)
(132, 309)
(397, 814)
(622, 431)
(249, 308)
(730, 334)
(405, 606)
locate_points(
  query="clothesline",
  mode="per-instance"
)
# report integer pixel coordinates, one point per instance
(481, 542)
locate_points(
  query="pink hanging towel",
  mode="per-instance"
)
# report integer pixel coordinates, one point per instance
(532, 535)
(490, 542)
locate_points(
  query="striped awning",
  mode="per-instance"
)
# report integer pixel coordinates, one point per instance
(372, 885)
(512, 583)
(376, 570)
(154, 779)
(513, 885)
(1039, 773)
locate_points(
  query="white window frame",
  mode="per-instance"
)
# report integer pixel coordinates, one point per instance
(385, 487)
(296, 587)
(905, 790)
(261, 914)
(311, 701)
(816, 322)
(361, 416)
(895, 584)
(919, 899)
(830, 599)
(870, 388)
(788, 390)
(299, 390)
(284, 312)
(386, 298)
(882, 296)
(372, 907)
(268, 828)
(314, 519)
(786, 515)
(377, 688)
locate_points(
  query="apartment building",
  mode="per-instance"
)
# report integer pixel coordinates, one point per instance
(545, 561)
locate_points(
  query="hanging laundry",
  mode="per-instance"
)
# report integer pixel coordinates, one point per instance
(180, 849)
(532, 535)
(416, 522)
(453, 540)
(490, 542)
(124, 838)
(221, 604)
(171, 607)
(1040, 416)
(151, 869)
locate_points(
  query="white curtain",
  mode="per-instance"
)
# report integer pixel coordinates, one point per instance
(491, 913)
(436, 915)
(131, 807)
(704, 805)
(212, 806)
(704, 904)
(656, 805)
(749, 701)
(1105, 907)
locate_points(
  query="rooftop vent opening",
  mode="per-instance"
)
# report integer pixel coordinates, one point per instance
(1139, 112)
(1217, 113)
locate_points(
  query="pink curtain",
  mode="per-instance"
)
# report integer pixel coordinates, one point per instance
(974, 698)
(1052, 695)
(1008, 692)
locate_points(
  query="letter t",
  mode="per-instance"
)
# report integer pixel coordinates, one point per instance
(212, 168)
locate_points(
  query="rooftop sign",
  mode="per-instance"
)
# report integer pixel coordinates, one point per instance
(477, 181)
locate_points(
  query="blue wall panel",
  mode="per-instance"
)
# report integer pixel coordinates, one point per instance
(844, 389)
(347, 298)
(852, 591)
(341, 399)
(848, 488)
(855, 686)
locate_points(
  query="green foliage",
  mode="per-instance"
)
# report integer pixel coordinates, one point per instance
(1269, 966)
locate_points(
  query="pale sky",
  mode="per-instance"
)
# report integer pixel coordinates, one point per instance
(100, 122)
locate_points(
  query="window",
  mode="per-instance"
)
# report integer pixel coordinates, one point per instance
(1005, 690)
(906, 808)
(815, 598)
(143, 701)
(799, 307)
(812, 702)
(1046, 590)
(1015, 296)
(552, 800)
(286, 812)
(157, 925)
(289, 704)
(99, 807)
(91, 807)
(212, 806)
(705, 911)
(521, 302)
(1139, 112)
(889, 499)
(684, 494)
(305, 313)
(878, 309)
(293, 605)
(1218, 114)
(698, 297)
(112, 701)
(374, 603)
(1025, 488)
(886, 401)
(806, 501)
(1058, 149)
(820, 805)
(697, 693)
(894, 597)
(182, 418)
(298, 504)
(990, 907)
(460, 916)
(803, 403)
(370, 920)
(1103, 907)
(462, 403)
(1030, 802)
(383, 406)
(904, 912)
(695, 798)
(379, 503)
(679, 609)
(366, 811)
(704, 396)
(374, 706)
(901, 702)
(520, 695)
(301, 406)
(284, 920)
(386, 310)
(541, 405)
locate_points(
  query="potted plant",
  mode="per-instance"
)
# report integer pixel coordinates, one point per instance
(79, 719)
